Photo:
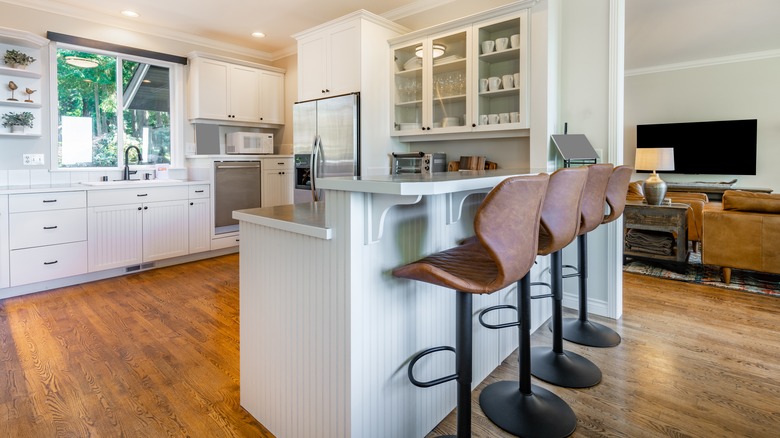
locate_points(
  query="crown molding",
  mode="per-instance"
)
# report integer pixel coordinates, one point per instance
(744, 57)
(414, 8)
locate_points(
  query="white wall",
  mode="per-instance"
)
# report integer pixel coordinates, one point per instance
(739, 90)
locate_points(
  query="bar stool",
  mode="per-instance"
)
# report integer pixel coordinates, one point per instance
(613, 184)
(529, 410)
(560, 224)
(507, 227)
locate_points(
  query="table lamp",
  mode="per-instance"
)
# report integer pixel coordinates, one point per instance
(654, 159)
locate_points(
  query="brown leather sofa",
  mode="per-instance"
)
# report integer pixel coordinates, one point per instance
(742, 232)
(696, 202)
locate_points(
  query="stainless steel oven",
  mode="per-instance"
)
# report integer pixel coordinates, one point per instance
(236, 187)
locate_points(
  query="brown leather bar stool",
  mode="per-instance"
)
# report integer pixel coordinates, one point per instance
(507, 227)
(560, 224)
(604, 185)
(529, 410)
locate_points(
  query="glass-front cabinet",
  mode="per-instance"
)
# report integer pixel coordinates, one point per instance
(466, 80)
(431, 85)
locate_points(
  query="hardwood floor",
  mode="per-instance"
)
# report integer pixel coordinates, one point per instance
(695, 361)
(156, 354)
(150, 354)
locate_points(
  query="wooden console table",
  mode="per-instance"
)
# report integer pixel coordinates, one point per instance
(670, 218)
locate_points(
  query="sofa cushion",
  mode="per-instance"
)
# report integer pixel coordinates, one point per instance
(749, 201)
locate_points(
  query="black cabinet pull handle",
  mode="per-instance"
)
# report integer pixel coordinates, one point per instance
(198, 191)
(50, 228)
(146, 208)
(473, 125)
(139, 208)
(142, 194)
(50, 263)
(49, 200)
(192, 203)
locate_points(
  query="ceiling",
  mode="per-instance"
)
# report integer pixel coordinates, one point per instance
(658, 32)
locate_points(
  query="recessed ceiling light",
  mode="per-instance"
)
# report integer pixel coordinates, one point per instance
(130, 14)
(258, 34)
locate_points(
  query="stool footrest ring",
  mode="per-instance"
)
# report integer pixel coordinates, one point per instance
(498, 326)
(576, 271)
(433, 382)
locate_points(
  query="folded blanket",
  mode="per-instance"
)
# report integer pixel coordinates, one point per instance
(651, 242)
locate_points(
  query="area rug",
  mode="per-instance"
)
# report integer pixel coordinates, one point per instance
(696, 272)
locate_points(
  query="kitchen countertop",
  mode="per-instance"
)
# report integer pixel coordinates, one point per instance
(40, 188)
(306, 218)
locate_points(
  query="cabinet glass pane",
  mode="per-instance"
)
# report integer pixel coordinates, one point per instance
(449, 79)
(408, 83)
(500, 84)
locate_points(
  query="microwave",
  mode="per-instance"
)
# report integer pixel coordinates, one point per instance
(249, 143)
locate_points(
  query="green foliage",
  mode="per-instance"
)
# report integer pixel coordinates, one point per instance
(25, 119)
(15, 57)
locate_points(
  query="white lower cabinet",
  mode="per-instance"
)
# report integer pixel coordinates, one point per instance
(123, 234)
(4, 248)
(45, 263)
(278, 181)
(200, 225)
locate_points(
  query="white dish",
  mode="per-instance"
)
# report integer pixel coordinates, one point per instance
(409, 126)
(413, 63)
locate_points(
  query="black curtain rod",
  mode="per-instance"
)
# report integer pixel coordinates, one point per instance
(94, 44)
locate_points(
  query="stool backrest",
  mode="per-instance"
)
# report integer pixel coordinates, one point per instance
(594, 197)
(617, 188)
(507, 224)
(560, 220)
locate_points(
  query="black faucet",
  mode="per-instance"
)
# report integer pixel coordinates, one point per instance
(127, 172)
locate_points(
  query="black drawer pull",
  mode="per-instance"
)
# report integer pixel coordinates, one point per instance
(142, 194)
(198, 191)
(139, 208)
(50, 228)
(192, 203)
(50, 263)
(49, 200)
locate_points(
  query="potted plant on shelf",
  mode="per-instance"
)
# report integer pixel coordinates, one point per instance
(18, 121)
(17, 59)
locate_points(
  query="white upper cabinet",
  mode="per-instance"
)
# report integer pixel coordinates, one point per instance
(464, 79)
(23, 77)
(222, 91)
(329, 61)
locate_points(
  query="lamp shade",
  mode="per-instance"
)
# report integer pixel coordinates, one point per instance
(654, 159)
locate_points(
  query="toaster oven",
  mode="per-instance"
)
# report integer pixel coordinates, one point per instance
(419, 162)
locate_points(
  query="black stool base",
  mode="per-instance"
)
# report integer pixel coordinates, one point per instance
(539, 414)
(589, 333)
(567, 369)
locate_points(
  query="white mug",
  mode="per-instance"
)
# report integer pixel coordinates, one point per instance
(493, 83)
(514, 117)
(503, 118)
(508, 81)
(514, 41)
(483, 119)
(516, 79)
(488, 46)
(492, 119)
(502, 44)
(483, 85)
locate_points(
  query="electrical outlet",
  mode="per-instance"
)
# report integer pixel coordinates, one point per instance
(33, 159)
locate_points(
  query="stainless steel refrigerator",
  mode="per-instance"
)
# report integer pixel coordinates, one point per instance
(328, 131)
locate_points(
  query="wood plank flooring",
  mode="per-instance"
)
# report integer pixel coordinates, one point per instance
(156, 354)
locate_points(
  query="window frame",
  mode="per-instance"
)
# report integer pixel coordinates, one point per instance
(176, 99)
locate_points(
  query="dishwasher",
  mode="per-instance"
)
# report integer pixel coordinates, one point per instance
(236, 187)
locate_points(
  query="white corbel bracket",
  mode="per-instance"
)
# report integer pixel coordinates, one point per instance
(376, 207)
(455, 203)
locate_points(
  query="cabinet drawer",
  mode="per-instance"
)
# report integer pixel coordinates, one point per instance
(39, 228)
(224, 242)
(199, 191)
(277, 163)
(97, 198)
(48, 262)
(46, 201)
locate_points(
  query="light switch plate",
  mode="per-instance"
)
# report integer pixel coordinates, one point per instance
(33, 159)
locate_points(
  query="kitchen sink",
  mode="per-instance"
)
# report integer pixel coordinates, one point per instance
(132, 182)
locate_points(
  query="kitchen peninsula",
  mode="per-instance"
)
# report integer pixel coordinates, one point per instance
(327, 331)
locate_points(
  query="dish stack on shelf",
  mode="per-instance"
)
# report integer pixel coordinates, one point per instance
(413, 63)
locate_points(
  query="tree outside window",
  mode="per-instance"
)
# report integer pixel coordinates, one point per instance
(107, 103)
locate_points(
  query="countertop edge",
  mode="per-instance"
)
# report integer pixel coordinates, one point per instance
(42, 188)
(307, 219)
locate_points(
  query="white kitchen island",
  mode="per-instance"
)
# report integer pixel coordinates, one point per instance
(326, 330)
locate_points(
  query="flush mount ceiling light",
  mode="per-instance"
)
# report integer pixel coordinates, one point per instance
(80, 62)
(258, 34)
(131, 14)
(438, 50)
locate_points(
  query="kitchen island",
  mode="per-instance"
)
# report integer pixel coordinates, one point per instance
(326, 330)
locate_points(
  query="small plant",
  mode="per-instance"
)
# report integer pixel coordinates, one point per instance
(16, 58)
(23, 119)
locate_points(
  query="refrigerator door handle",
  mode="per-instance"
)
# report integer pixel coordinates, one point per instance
(315, 152)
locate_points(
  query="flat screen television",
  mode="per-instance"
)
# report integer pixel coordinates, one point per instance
(726, 147)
